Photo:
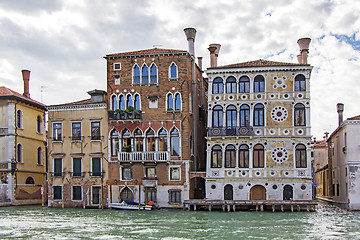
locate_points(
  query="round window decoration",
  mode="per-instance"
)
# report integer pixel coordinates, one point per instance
(241, 187)
(217, 97)
(257, 173)
(279, 114)
(243, 97)
(231, 97)
(279, 155)
(258, 132)
(300, 95)
(259, 96)
(213, 186)
(286, 132)
(243, 173)
(272, 173)
(303, 187)
(272, 96)
(286, 96)
(300, 132)
(274, 186)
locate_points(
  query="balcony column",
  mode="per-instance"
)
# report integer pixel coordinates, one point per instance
(210, 112)
(237, 159)
(223, 157)
(251, 114)
(224, 118)
(251, 160)
(208, 160)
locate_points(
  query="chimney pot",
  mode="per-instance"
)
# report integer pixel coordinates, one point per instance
(214, 49)
(340, 110)
(200, 62)
(304, 49)
(26, 79)
(190, 36)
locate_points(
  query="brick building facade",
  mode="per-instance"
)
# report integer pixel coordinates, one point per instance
(156, 125)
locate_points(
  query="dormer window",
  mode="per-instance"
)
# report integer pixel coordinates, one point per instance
(117, 66)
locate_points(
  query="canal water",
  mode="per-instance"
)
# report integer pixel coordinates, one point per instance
(35, 222)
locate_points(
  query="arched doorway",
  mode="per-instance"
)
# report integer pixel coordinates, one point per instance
(228, 192)
(197, 186)
(288, 192)
(126, 194)
(258, 192)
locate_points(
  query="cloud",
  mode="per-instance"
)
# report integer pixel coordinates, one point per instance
(63, 42)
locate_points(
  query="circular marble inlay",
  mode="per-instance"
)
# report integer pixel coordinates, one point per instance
(279, 114)
(279, 155)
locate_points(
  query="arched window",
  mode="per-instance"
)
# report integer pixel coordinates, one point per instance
(122, 102)
(259, 115)
(258, 156)
(39, 156)
(300, 83)
(114, 139)
(38, 124)
(244, 115)
(129, 102)
(114, 102)
(175, 142)
(173, 73)
(300, 156)
(217, 118)
(299, 115)
(19, 153)
(216, 157)
(145, 74)
(177, 101)
(19, 117)
(230, 85)
(30, 180)
(139, 145)
(244, 84)
(163, 140)
(136, 74)
(170, 102)
(126, 194)
(230, 156)
(259, 84)
(218, 86)
(153, 74)
(231, 116)
(244, 156)
(137, 102)
(126, 140)
(150, 140)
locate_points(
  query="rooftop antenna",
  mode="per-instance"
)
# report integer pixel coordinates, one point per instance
(42, 89)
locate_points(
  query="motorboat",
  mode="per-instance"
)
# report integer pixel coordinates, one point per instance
(129, 205)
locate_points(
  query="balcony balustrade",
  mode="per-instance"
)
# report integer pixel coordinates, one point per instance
(144, 156)
(233, 131)
(3, 131)
(124, 116)
(5, 165)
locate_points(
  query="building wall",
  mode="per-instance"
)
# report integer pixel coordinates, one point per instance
(278, 132)
(157, 118)
(86, 149)
(15, 176)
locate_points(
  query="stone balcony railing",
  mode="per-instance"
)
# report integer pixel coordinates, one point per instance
(5, 165)
(144, 156)
(233, 131)
(3, 131)
(123, 116)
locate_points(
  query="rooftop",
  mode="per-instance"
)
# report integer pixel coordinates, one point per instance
(147, 52)
(8, 93)
(259, 63)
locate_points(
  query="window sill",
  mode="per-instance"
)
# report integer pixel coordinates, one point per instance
(95, 140)
(173, 79)
(174, 180)
(57, 141)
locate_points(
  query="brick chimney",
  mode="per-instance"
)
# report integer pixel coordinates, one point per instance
(214, 49)
(26, 78)
(190, 36)
(340, 110)
(304, 50)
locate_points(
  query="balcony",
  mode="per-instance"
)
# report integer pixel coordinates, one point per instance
(235, 131)
(124, 116)
(144, 156)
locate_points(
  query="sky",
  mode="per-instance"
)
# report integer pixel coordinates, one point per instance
(63, 42)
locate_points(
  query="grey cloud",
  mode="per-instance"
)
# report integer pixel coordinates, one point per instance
(31, 6)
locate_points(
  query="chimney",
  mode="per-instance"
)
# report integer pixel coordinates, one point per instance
(190, 36)
(340, 109)
(214, 49)
(26, 78)
(304, 50)
(326, 135)
(200, 62)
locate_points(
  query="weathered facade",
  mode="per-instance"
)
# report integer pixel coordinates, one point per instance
(344, 163)
(22, 146)
(258, 144)
(77, 145)
(156, 126)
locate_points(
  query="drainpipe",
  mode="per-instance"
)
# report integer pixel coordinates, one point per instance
(190, 35)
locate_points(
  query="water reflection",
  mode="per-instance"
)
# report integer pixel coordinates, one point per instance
(51, 223)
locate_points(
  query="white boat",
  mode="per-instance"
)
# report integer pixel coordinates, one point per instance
(127, 205)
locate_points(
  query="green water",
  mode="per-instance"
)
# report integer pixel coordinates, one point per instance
(34, 222)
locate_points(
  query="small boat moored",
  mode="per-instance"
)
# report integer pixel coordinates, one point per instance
(129, 205)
